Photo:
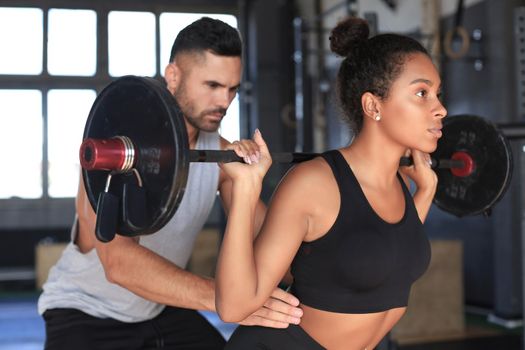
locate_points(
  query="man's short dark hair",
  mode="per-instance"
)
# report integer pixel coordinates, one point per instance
(208, 34)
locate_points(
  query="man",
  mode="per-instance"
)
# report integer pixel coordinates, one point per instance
(134, 293)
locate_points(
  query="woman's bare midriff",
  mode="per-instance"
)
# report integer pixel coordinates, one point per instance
(336, 331)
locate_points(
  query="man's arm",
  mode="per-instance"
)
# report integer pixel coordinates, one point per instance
(140, 270)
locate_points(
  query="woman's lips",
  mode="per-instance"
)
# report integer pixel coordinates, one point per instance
(436, 132)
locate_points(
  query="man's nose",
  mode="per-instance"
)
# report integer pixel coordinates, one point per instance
(223, 99)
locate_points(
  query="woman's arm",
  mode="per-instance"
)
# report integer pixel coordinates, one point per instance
(281, 308)
(426, 182)
(247, 273)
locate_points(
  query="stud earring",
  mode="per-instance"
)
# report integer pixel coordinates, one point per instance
(378, 117)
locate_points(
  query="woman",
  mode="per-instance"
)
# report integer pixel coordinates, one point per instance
(345, 222)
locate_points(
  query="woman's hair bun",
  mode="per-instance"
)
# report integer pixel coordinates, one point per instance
(347, 34)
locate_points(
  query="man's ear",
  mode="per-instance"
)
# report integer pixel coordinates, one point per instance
(370, 104)
(172, 75)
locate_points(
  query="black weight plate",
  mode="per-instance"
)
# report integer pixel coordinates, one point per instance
(479, 191)
(142, 109)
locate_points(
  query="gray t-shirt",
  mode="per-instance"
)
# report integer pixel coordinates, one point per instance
(78, 281)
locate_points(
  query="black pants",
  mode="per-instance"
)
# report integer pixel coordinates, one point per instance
(262, 338)
(174, 328)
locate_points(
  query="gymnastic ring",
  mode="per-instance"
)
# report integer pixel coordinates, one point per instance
(465, 42)
(288, 116)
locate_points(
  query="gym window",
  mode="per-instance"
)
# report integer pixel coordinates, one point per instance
(54, 61)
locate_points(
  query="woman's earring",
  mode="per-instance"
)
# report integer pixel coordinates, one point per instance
(378, 117)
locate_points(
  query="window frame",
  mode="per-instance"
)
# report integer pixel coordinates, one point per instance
(47, 212)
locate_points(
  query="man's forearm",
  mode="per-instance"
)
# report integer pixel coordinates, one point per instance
(155, 278)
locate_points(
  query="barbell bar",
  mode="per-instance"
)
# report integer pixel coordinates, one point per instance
(135, 159)
(118, 155)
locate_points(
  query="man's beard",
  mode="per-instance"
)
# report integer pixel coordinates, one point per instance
(188, 110)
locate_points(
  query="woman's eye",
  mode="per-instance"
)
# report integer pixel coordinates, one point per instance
(421, 93)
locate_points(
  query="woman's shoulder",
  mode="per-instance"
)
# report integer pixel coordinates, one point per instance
(312, 168)
(309, 188)
(307, 176)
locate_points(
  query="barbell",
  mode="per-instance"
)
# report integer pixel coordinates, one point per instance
(135, 160)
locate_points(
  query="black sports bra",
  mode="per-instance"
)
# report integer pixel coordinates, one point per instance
(363, 264)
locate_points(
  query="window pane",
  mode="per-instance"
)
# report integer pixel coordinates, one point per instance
(72, 43)
(131, 43)
(21, 143)
(230, 128)
(21, 40)
(67, 114)
(170, 25)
